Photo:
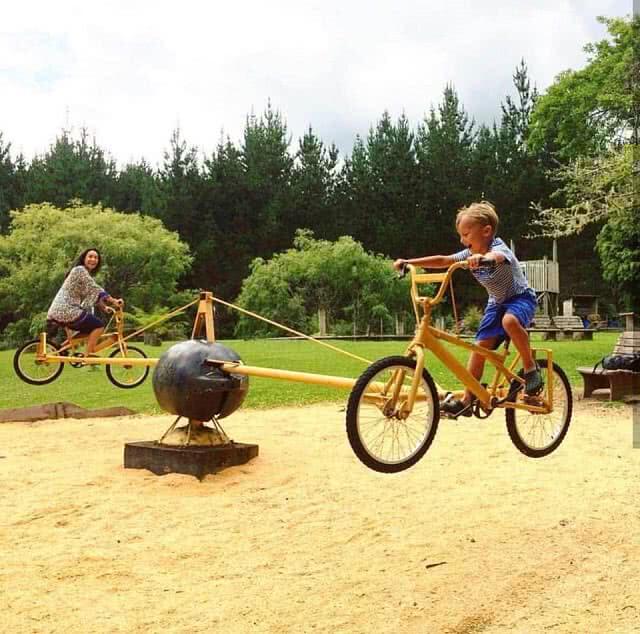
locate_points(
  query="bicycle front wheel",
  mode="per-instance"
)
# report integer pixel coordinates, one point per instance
(33, 370)
(127, 376)
(383, 435)
(537, 435)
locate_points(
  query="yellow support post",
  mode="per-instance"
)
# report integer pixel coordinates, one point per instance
(42, 345)
(204, 316)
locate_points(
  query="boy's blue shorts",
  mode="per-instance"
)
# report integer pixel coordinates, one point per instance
(523, 306)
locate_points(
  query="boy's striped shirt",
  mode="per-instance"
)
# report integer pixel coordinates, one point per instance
(502, 281)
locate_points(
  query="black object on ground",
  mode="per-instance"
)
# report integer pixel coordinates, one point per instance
(192, 460)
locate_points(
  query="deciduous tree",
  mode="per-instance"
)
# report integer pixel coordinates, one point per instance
(143, 261)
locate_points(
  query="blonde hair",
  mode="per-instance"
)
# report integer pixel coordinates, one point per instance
(483, 213)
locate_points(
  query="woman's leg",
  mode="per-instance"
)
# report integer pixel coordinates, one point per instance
(94, 335)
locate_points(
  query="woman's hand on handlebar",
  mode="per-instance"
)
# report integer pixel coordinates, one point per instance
(111, 304)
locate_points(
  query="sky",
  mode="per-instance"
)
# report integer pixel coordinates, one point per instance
(132, 72)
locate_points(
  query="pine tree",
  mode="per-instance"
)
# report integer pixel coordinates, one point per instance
(71, 169)
(393, 187)
(352, 206)
(11, 183)
(268, 165)
(444, 150)
(313, 183)
(180, 185)
(137, 189)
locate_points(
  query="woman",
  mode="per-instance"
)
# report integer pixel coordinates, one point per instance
(78, 292)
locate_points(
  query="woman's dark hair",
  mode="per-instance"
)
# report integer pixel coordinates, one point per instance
(80, 261)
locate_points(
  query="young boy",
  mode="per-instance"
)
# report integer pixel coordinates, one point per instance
(511, 304)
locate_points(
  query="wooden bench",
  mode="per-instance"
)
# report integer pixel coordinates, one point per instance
(620, 383)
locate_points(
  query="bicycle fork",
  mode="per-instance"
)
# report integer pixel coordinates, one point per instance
(417, 377)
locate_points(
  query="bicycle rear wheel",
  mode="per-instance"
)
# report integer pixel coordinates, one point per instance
(537, 435)
(33, 370)
(380, 435)
(128, 376)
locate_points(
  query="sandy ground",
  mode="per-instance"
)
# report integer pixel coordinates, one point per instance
(475, 538)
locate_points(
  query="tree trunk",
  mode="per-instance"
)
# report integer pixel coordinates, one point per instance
(322, 321)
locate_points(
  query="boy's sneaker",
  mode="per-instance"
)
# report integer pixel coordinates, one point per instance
(534, 383)
(455, 407)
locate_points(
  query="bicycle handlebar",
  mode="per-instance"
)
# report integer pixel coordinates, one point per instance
(402, 272)
(114, 309)
(442, 278)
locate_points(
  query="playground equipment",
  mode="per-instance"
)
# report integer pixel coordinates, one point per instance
(39, 362)
(544, 278)
(184, 385)
(394, 407)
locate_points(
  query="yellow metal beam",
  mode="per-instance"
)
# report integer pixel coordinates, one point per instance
(51, 358)
(287, 375)
(304, 377)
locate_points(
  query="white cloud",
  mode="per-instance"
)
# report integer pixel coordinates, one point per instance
(131, 71)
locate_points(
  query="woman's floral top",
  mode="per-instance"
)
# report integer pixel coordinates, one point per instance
(78, 293)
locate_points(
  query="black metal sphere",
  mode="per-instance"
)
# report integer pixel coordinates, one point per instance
(184, 384)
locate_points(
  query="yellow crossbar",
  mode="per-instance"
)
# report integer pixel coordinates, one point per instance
(427, 278)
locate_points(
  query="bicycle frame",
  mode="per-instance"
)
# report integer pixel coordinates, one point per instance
(107, 339)
(427, 338)
(203, 321)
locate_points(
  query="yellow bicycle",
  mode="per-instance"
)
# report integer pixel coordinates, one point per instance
(38, 366)
(394, 407)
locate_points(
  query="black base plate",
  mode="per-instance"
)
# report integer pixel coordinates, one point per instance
(197, 461)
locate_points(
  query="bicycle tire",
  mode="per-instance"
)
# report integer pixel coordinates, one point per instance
(355, 431)
(135, 379)
(25, 356)
(561, 388)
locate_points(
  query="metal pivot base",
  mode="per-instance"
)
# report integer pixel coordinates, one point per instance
(195, 433)
(193, 449)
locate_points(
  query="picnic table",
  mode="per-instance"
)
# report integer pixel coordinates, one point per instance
(561, 327)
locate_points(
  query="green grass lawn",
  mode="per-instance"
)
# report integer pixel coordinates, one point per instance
(92, 389)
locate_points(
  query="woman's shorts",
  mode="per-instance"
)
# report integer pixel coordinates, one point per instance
(522, 306)
(86, 323)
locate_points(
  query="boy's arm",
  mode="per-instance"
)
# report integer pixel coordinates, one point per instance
(428, 262)
(496, 256)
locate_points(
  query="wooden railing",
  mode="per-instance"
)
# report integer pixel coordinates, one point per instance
(542, 275)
